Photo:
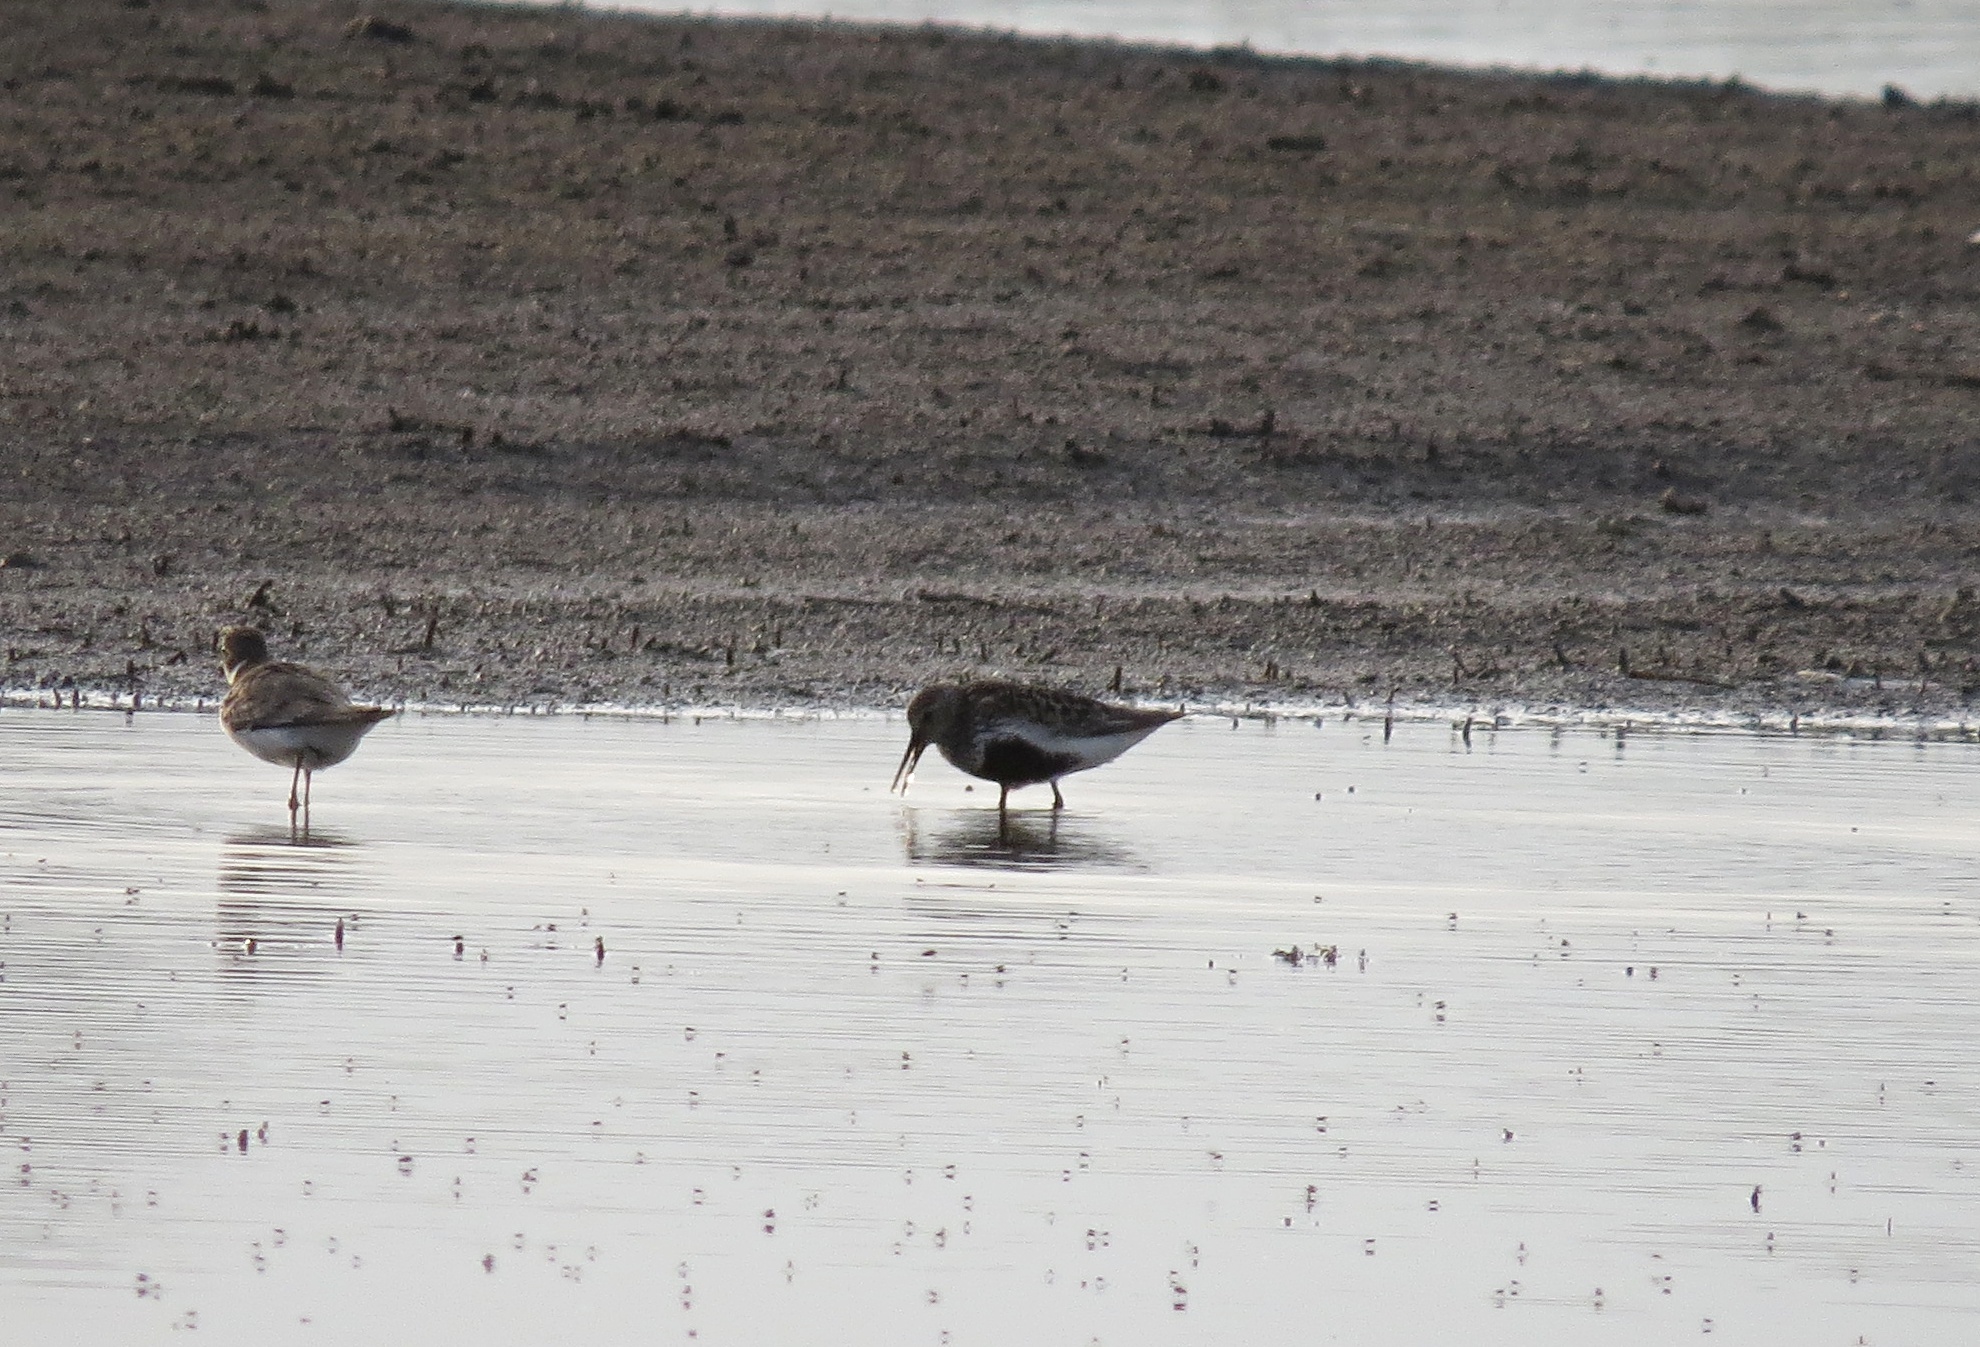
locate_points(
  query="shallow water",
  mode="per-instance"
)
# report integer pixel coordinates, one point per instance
(853, 1071)
(1929, 47)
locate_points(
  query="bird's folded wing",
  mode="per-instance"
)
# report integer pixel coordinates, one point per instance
(1102, 719)
(343, 715)
(1076, 739)
(279, 696)
(1139, 718)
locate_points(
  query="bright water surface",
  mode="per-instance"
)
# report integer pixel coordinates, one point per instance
(1930, 47)
(851, 1071)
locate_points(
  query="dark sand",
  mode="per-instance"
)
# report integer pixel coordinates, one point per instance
(514, 356)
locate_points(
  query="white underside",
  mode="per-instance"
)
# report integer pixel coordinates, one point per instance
(1090, 750)
(318, 746)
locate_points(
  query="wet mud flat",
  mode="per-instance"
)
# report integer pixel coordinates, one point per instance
(648, 1030)
(671, 606)
(531, 357)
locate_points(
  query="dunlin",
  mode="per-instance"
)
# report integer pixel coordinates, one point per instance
(288, 714)
(1016, 735)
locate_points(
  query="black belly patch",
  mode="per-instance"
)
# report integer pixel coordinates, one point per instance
(1013, 762)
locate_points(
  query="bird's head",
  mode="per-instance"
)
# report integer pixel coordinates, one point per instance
(930, 715)
(241, 648)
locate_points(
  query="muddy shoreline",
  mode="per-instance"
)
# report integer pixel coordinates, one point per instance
(732, 618)
(530, 358)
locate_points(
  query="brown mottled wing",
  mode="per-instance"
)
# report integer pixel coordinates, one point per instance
(279, 693)
(1068, 713)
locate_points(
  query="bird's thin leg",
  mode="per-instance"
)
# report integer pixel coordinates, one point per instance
(1003, 797)
(1058, 800)
(295, 801)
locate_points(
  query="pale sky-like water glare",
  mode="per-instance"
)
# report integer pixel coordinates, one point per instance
(1929, 47)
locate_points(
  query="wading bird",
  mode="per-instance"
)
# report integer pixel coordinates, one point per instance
(1016, 735)
(288, 714)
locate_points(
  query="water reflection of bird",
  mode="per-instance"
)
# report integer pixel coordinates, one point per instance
(284, 902)
(1017, 735)
(981, 840)
(269, 862)
(288, 714)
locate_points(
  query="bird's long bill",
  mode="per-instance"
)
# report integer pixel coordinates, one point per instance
(909, 760)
